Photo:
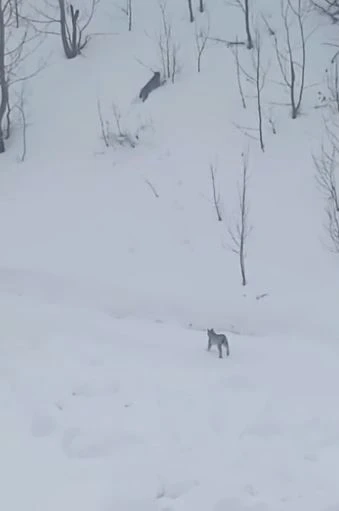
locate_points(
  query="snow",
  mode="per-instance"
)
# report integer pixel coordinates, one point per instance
(130, 414)
(109, 398)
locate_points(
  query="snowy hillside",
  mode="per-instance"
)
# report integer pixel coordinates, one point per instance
(113, 263)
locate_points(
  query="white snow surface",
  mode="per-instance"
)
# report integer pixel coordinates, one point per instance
(109, 399)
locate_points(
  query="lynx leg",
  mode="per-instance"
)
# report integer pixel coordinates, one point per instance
(220, 350)
(209, 345)
(227, 348)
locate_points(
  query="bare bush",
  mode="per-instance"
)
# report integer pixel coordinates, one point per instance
(331, 99)
(240, 229)
(292, 62)
(333, 84)
(326, 168)
(332, 226)
(114, 131)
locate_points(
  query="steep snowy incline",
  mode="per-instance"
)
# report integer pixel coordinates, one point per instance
(139, 225)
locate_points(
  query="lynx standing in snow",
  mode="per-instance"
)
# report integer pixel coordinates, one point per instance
(218, 339)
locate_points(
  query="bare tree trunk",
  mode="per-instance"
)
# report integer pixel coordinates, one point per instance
(259, 86)
(70, 42)
(238, 72)
(216, 197)
(190, 8)
(240, 230)
(16, 7)
(201, 39)
(168, 48)
(243, 226)
(63, 27)
(3, 80)
(248, 28)
(74, 19)
(130, 15)
(294, 75)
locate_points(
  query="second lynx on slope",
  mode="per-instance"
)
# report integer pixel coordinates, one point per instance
(217, 339)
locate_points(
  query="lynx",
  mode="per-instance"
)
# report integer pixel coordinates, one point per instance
(152, 84)
(218, 339)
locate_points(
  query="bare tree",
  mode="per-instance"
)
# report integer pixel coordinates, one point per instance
(257, 77)
(130, 14)
(332, 82)
(190, 9)
(291, 66)
(72, 25)
(259, 85)
(216, 196)
(332, 226)
(235, 51)
(72, 35)
(240, 230)
(245, 7)
(168, 48)
(15, 48)
(201, 38)
(329, 8)
(127, 9)
(326, 166)
(4, 5)
(16, 11)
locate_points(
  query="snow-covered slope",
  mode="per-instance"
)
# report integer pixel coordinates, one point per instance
(77, 210)
(113, 264)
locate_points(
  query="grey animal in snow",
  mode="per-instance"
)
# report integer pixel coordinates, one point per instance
(152, 84)
(217, 339)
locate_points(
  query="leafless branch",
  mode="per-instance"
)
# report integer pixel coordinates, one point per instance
(291, 68)
(240, 230)
(190, 10)
(235, 52)
(332, 226)
(257, 77)
(329, 8)
(15, 48)
(326, 168)
(201, 38)
(244, 5)
(152, 187)
(216, 196)
(168, 48)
